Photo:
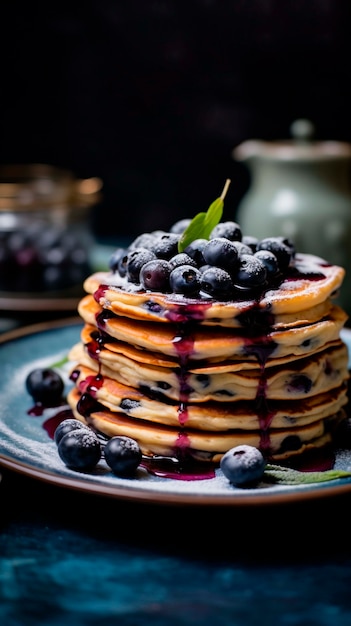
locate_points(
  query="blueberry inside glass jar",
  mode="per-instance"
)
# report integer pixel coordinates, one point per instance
(45, 237)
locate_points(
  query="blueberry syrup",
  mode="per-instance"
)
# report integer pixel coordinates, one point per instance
(188, 312)
(296, 273)
(52, 423)
(183, 343)
(166, 467)
(256, 319)
(313, 460)
(38, 408)
(261, 348)
(103, 317)
(91, 384)
(94, 347)
(87, 405)
(100, 292)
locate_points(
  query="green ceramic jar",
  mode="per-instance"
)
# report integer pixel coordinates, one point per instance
(300, 188)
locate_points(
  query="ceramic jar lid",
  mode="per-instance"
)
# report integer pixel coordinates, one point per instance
(302, 147)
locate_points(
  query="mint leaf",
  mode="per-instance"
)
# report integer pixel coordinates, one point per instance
(201, 225)
(287, 476)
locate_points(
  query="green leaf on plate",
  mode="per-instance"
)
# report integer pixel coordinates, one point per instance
(60, 363)
(201, 225)
(287, 476)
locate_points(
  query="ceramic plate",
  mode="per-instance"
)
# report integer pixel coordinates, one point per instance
(27, 446)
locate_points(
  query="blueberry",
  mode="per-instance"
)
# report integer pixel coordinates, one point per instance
(243, 465)
(251, 272)
(185, 279)
(166, 245)
(287, 242)
(136, 258)
(154, 275)
(217, 282)
(66, 426)
(220, 252)
(230, 230)
(194, 250)
(122, 264)
(269, 260)
(180, 226)
(128, 405)
(181, 259)
(145, 240)
(45, 385)
(281, 247)
(251, 241)
(80, 449)
(243, 248)
(115, 258)
(122, 455)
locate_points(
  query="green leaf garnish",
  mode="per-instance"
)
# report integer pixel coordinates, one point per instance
(60, 363)
(201, 225)
(287, 476)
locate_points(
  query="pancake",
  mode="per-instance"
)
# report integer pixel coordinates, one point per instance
(302, 297)
(213, 343)
(191, 376)
(160, 439)
(296, 380)
(210, 416)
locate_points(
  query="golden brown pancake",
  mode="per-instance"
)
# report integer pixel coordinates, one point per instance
(297, 379)
(211, 415)
(214, 343)
(300, 298)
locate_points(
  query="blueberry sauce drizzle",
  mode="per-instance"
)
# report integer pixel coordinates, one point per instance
(256, 321)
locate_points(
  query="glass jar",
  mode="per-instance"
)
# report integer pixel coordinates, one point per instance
(45, 236)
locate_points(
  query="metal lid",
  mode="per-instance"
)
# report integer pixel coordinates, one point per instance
(39, 186)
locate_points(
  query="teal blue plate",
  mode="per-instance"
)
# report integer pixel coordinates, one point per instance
(27, 446)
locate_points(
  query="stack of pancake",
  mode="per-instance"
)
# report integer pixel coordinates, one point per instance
(190, 378)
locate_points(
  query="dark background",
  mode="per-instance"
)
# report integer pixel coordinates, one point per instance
(152, 96)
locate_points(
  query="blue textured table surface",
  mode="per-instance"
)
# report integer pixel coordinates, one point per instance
(76, 559)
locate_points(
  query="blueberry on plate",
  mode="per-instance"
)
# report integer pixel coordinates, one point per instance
(122, 455)
(80, 449)
(45, 385)
(243, 465)
(66, 426)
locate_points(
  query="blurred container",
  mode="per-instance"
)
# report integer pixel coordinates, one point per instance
(45, 236)
(300, 188)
